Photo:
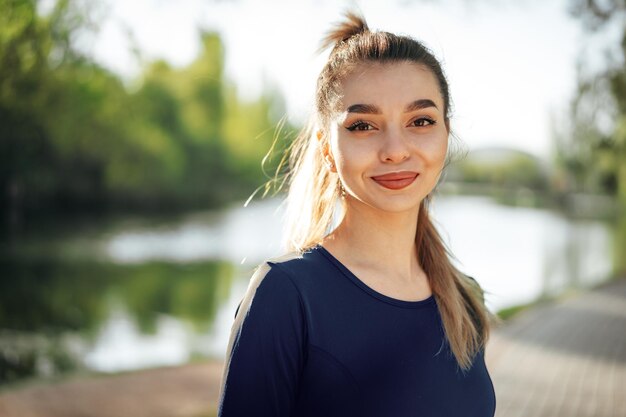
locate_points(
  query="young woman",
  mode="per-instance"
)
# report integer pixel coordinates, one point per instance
(369, 318)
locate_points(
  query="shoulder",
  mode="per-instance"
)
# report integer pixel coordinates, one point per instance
(271, 284)
(276, 281)
(305, 274)
(300, 267)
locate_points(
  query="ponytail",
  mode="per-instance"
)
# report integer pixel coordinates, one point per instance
(353, 25)
(313, 194)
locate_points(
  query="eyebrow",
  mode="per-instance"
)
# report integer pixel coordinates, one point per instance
(373, 109)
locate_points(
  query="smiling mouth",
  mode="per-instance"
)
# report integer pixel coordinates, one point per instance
(396, 183)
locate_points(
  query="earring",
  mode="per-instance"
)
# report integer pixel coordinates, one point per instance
(342, 190)
(330, 164)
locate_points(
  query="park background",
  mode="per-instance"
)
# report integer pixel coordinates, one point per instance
(137, 140)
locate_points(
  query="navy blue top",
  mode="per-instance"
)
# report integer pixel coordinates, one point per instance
(317, 341)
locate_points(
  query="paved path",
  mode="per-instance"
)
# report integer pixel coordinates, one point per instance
(566, 359)
(563, 359)
(182, 391)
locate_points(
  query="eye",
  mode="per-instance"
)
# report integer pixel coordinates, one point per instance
(360, 125)
(423, 121)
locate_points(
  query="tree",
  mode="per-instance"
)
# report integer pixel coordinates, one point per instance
(73, 139)
(593, 149)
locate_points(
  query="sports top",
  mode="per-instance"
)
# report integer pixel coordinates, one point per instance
(317, 341)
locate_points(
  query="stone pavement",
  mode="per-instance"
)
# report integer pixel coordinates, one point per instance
(179, 391)
(563, 359)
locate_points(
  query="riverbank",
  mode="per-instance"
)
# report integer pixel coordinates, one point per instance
(562, 357)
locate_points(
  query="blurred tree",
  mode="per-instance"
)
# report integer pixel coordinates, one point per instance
(222, 137)
(591, 150)
(74, 140)
(515, 172)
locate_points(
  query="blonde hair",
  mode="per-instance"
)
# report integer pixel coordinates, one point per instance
(314, 192)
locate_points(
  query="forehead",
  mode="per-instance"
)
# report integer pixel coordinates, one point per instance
(389, 85)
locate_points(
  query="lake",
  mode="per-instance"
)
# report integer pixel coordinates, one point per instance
(140, 293)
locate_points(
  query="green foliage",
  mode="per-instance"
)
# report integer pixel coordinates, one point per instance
(73, 138)
(515, 171)
(590, 155)
(510, 312)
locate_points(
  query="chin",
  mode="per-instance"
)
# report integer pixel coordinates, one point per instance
(392, 205)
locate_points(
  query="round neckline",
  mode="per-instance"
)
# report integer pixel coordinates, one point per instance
(356, 280)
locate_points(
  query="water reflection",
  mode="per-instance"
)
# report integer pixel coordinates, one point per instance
(65, 316)
(231, 234)
(122, 344)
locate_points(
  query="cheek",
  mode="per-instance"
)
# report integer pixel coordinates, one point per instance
(352, 156)
(444, 148)
(435, 148)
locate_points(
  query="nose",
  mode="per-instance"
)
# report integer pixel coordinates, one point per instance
(395, 147)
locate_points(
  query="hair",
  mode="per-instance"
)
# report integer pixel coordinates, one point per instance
(314, 191)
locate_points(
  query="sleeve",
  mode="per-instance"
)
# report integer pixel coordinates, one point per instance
(263, 374)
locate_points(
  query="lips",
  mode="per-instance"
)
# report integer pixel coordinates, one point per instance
(396, 180)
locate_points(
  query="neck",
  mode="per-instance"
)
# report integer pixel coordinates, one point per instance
(381, 241)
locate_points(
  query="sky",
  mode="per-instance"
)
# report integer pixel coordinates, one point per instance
(511, 65)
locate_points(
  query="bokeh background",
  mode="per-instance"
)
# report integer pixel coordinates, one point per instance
(137, 139)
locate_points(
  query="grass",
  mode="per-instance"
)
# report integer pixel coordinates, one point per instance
(509, 312)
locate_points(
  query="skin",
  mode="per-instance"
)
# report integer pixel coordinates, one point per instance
(376, 239)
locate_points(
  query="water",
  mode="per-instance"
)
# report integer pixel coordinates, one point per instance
(145, 294)
(520, 254)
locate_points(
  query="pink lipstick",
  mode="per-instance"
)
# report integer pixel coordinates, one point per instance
(396, 180)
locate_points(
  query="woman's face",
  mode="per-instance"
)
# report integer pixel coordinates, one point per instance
(390, 120)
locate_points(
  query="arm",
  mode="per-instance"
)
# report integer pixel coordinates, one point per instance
(262, 373)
